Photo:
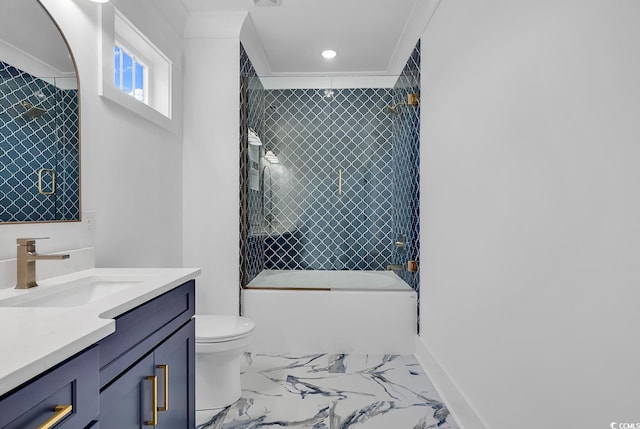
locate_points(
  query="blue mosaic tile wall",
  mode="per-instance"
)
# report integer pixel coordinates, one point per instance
(406, 172)
(31, 142)
(251, 96)
(68, 180)
(406, 169)
(314, 137)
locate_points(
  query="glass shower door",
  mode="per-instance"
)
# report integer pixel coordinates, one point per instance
(297, 132)
(362, 145)
(327, 197)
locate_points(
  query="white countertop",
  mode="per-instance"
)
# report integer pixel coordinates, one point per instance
(36, 339)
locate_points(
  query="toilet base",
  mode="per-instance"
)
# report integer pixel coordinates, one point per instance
(217, 379)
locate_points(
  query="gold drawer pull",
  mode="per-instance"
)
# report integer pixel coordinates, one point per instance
(165, 370)
(154, 404)
(62, 411)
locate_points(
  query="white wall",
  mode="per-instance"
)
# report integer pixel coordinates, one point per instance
(530, 208)
(131, 169)
(211, 157)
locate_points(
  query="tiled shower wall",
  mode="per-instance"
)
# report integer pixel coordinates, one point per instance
(28, 144)
(311, 223)
(252, 111)
(406, 169)
(298, 220)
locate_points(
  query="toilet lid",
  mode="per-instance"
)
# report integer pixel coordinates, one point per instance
(218, 328)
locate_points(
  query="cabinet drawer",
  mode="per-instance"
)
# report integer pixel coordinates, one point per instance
(140, 329)
(74, 382)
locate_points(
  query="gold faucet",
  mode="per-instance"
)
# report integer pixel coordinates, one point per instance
(26, 263)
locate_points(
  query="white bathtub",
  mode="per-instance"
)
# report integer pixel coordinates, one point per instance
(333, 280)
(331, 312)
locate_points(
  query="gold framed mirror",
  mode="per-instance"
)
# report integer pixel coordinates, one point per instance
(39, 118)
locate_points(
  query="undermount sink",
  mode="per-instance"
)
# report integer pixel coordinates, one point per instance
(72, 294)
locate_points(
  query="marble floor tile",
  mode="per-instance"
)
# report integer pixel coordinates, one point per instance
(325, 391)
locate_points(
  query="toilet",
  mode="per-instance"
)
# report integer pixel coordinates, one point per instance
(220, 342)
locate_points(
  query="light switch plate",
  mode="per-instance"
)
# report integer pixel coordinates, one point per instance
(89, 220)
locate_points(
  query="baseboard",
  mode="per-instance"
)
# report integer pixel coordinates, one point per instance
(457, 403)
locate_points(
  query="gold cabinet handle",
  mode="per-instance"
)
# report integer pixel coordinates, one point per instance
(62, 411)
(154, 404)
(165, 371)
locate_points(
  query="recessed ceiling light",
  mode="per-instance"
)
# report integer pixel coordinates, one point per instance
(100, 1)
(329, 53)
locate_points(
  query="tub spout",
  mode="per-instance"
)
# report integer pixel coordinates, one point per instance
(393, 267)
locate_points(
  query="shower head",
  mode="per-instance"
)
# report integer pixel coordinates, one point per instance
(412, 100)
(32, 111)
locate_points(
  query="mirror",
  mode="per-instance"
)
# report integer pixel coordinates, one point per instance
(39, 118)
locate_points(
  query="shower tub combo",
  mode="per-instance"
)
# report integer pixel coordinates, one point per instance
(303, 311)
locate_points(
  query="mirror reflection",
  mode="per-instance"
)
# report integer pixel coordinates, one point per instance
(39, 118)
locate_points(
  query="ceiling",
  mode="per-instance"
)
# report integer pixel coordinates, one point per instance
(368, 35)
(372, 37)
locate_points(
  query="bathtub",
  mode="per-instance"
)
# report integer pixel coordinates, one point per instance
(301, 311)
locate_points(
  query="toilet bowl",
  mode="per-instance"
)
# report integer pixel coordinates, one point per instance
(220, 343)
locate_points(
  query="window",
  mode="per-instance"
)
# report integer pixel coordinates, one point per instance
(130, 74)
(135, 73)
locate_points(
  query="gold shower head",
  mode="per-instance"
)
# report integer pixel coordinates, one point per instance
(412, 100)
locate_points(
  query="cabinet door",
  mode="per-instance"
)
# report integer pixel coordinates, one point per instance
(127, 403)
(175, 358)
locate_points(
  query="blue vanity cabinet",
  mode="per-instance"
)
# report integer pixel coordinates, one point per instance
(111, 385)
(147, 370)
(175, 359)
(129, 401)
(69, 391)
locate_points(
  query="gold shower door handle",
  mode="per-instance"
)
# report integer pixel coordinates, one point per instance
(53, 181)
(340, 182)
(165, 371)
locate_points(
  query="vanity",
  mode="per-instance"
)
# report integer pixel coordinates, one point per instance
(100, 348)
(87, 348)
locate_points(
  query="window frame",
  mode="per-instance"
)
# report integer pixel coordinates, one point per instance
(158, 108)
